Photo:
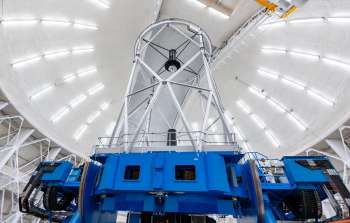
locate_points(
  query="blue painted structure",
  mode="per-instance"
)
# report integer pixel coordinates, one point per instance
(187, 183)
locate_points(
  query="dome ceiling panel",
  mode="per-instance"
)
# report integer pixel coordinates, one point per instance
(57, 25)
(307, 72)
(320, 76)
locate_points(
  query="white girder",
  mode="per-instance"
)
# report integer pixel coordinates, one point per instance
(3, 104)
(14, 145)
(164, 85)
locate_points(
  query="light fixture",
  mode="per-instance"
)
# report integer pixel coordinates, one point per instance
(305, 55)
(69, 77)
(293, 83)
(77, 135)
(268, 74)
(336, 62)
(86, 71)
(104, 106)
(318, 95)
(272, 138)
(98, 87)
(77, 100)
(55, 22)
(296, 120)
(277, 105)
(93, 117)
(307, 20)
(339, 19)
(41, 91)
(26, 61)
(101, 3)
(243, 106)
(50, 55)
(81, 50)
(257, 91)
(17, 22)
(82, 25)
(55, 54)
(58, 115)
(273, 50)
(258, 121)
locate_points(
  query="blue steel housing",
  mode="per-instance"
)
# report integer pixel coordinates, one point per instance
(186, 183)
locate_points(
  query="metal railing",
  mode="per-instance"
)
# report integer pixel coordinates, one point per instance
(149, 141)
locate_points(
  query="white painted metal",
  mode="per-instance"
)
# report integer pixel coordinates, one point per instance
(197, 53)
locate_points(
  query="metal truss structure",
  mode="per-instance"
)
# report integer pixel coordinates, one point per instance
(171, 65)
(21, 150)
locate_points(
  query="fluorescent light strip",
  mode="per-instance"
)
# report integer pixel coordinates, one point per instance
(277, 105)
(301, 86)
(55, 22)
(82, 50)
(19, 22)
(49, 55)
(305, 55)
(101, 3)
(295, 53)
(86, 72)
(55, 54)
(41, 91)
(98, 87)
(69, 78)
(339, 20)
(80, 25)
(77, 100)
(301, 124)
(47, 22)
(80, 73)
(321, 97)
(336, 62)
(258, 121)
(58, 115)
(104, 106)
(243, 106)
(257, 91)
(273, 50)
(81, 130)
(283, 109)
(268, 74)
(26, 61)
(65, 110)
(307, 20)
(93, 117)
(79, 133)
(271, 136)
(293, 83)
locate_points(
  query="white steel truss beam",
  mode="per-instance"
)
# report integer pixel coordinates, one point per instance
(15, 144)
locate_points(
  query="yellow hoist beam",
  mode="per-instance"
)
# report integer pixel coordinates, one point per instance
(272, 7)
